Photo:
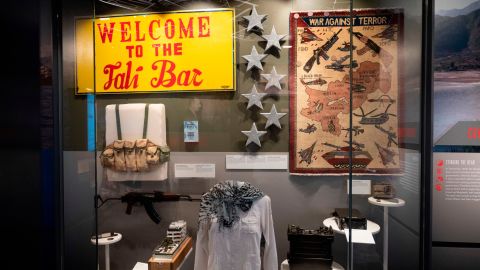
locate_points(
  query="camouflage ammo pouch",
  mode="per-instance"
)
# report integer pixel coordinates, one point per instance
(152, 155)
(107, 158)
(119, 155)
(134, 156)
(141, 154)
(164, 153)
(157, 154)
(130, 159)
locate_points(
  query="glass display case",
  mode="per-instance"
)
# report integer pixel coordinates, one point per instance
(242, 134)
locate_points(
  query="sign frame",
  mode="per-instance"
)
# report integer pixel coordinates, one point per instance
(79, 47)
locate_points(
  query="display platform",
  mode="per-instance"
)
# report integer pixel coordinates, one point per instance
(373, 227)
(106, 239)
(386, 203)
(285, 266)
(395, 202)
(176, 262)
(140, 266)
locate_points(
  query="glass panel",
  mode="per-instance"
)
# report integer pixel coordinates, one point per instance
(391, 116)
(77, 113)
(455, 179)
(209, 71)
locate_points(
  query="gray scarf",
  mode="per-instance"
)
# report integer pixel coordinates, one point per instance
(223, 199)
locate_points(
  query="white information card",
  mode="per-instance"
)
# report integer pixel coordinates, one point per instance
(360, 187)
(194, 170)
(256, 162)
(360, 236)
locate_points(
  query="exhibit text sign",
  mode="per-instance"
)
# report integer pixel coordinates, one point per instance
(456, 197)
(181, 51)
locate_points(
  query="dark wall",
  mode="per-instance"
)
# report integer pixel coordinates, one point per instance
(26, 223)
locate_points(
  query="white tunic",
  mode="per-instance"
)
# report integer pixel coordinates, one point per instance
(238, 248)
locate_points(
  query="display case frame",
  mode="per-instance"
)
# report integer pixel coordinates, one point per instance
(424, 145)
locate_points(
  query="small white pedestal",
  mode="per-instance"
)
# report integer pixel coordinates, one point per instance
(330, 222)
(106, 239)
(285, 266)
(386, 203)
(372, 227)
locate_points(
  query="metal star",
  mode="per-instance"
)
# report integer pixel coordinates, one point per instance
(254, 59)
(254, 20)
(273, 39)
(254, 98)
(254, 135)
(272, 117)
(273, 79)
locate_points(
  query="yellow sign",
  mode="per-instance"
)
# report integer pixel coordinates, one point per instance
(182, 51)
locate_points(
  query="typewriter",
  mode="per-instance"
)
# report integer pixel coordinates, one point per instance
(310, 249)
(357, 221)
(383, 191)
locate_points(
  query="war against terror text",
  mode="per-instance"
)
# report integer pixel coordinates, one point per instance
(345, 21)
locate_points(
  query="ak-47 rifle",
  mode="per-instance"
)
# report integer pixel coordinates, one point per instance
(385, 56)
(148, 198)
(321, 51)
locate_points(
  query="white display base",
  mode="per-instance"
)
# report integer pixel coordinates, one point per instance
(140, 266)
(372, 227)
(386, 203)
(396, 202)
(335, 266)
(107, 241)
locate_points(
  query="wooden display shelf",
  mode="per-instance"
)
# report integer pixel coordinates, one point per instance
(177, 259)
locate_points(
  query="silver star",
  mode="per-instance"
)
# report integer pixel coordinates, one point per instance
(254, 98)
(273, 79)
(272, 117)
(254, 135)
(273, 39)
(254, 20)
(254, 59)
